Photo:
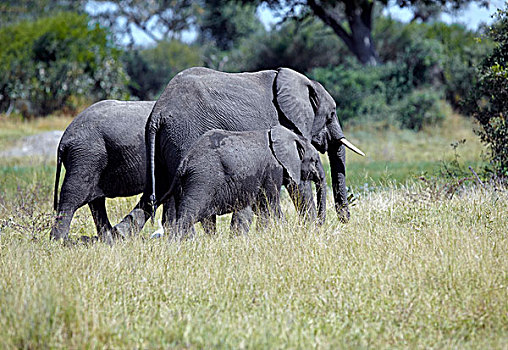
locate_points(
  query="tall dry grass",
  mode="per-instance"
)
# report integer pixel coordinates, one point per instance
(408, 271)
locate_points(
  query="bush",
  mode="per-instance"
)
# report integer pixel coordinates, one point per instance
(45, 62)
(152, 68)
(488, 100)
(393, 94)
(420, 108)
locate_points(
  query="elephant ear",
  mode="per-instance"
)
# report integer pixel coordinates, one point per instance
(287, 150)
(296, 99)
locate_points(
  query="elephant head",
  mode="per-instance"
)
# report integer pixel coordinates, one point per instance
(301, 161)
(306, 107)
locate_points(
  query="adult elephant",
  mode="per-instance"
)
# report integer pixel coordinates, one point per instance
(200, 99)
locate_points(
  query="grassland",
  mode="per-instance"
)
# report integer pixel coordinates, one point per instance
(414, 268)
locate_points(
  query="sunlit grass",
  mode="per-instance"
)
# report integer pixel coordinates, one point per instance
(405, 272)
(412, 269)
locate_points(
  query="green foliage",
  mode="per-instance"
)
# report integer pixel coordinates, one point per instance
(420, 108)
(298, 45)
(225, 23)
(488, 101)
(12, 11)
(392, 94)
(152, 68)
(447, 52)
(44, 63)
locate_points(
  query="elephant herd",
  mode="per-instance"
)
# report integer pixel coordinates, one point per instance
(213, 143)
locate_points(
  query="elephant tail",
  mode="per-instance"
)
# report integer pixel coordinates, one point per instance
(59, 156)
(176, 184)
(152, 127)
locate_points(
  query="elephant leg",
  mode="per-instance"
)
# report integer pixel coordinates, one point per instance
(133, 222)
(60, 229)
(241, 221)
(303, 199)
(100, 217)
(269, 207)
(73, 195)
(210, 225)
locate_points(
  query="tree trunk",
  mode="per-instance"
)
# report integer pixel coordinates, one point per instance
(359, 17)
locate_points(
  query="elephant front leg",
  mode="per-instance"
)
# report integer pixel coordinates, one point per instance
(241, 221)
(210, 225)
(303, 199)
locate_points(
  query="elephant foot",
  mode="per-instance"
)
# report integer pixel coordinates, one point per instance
(88, 240)
(130, 225)
(343, 214)
(107, 237)
(121, 231)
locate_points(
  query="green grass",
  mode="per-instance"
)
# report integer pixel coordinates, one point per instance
(414, 268)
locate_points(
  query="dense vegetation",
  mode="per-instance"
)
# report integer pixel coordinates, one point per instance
(46, 64)
(488, 102)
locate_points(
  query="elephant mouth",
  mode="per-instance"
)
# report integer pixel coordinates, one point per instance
(320, 142)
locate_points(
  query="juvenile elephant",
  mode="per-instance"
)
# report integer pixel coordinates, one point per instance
(200, 99)
(103, 151)
(226, 171)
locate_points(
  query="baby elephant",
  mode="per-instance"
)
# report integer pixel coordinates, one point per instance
(227, 171)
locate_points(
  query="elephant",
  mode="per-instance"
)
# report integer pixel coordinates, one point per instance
(103, 151)
(228, 171)
(199, 99)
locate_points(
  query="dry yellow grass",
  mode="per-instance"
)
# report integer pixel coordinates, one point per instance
(406, 272)
(413, 269)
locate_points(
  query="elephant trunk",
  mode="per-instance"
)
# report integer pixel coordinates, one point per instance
(337, 157)
(321, 193)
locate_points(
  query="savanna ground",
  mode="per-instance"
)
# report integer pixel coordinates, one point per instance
(421, 264)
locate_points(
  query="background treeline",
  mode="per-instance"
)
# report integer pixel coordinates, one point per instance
(61, 55)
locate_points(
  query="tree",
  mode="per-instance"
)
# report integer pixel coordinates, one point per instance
(152, 68)
(12, 11)
(488, 102)
(225, 23)
(160, 20)
(351, 20)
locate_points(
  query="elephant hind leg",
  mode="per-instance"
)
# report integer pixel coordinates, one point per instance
(73, 195)
(62, 224)
(100, 217)
(210, 225)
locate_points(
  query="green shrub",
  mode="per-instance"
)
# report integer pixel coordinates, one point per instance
(357, 90)
(488, 102)
(399, 94)
(420, 108)
(45, 62)
(152, 68)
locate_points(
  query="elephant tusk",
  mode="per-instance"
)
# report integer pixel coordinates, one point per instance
(352, 147)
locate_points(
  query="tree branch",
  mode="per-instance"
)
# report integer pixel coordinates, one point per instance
(328, 19)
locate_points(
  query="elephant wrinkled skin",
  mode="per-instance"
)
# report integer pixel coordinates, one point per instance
(226, 171)
(200, 99)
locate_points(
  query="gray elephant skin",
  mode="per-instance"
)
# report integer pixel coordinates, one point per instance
(200, 99)
(103, 151)
(227, 171)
